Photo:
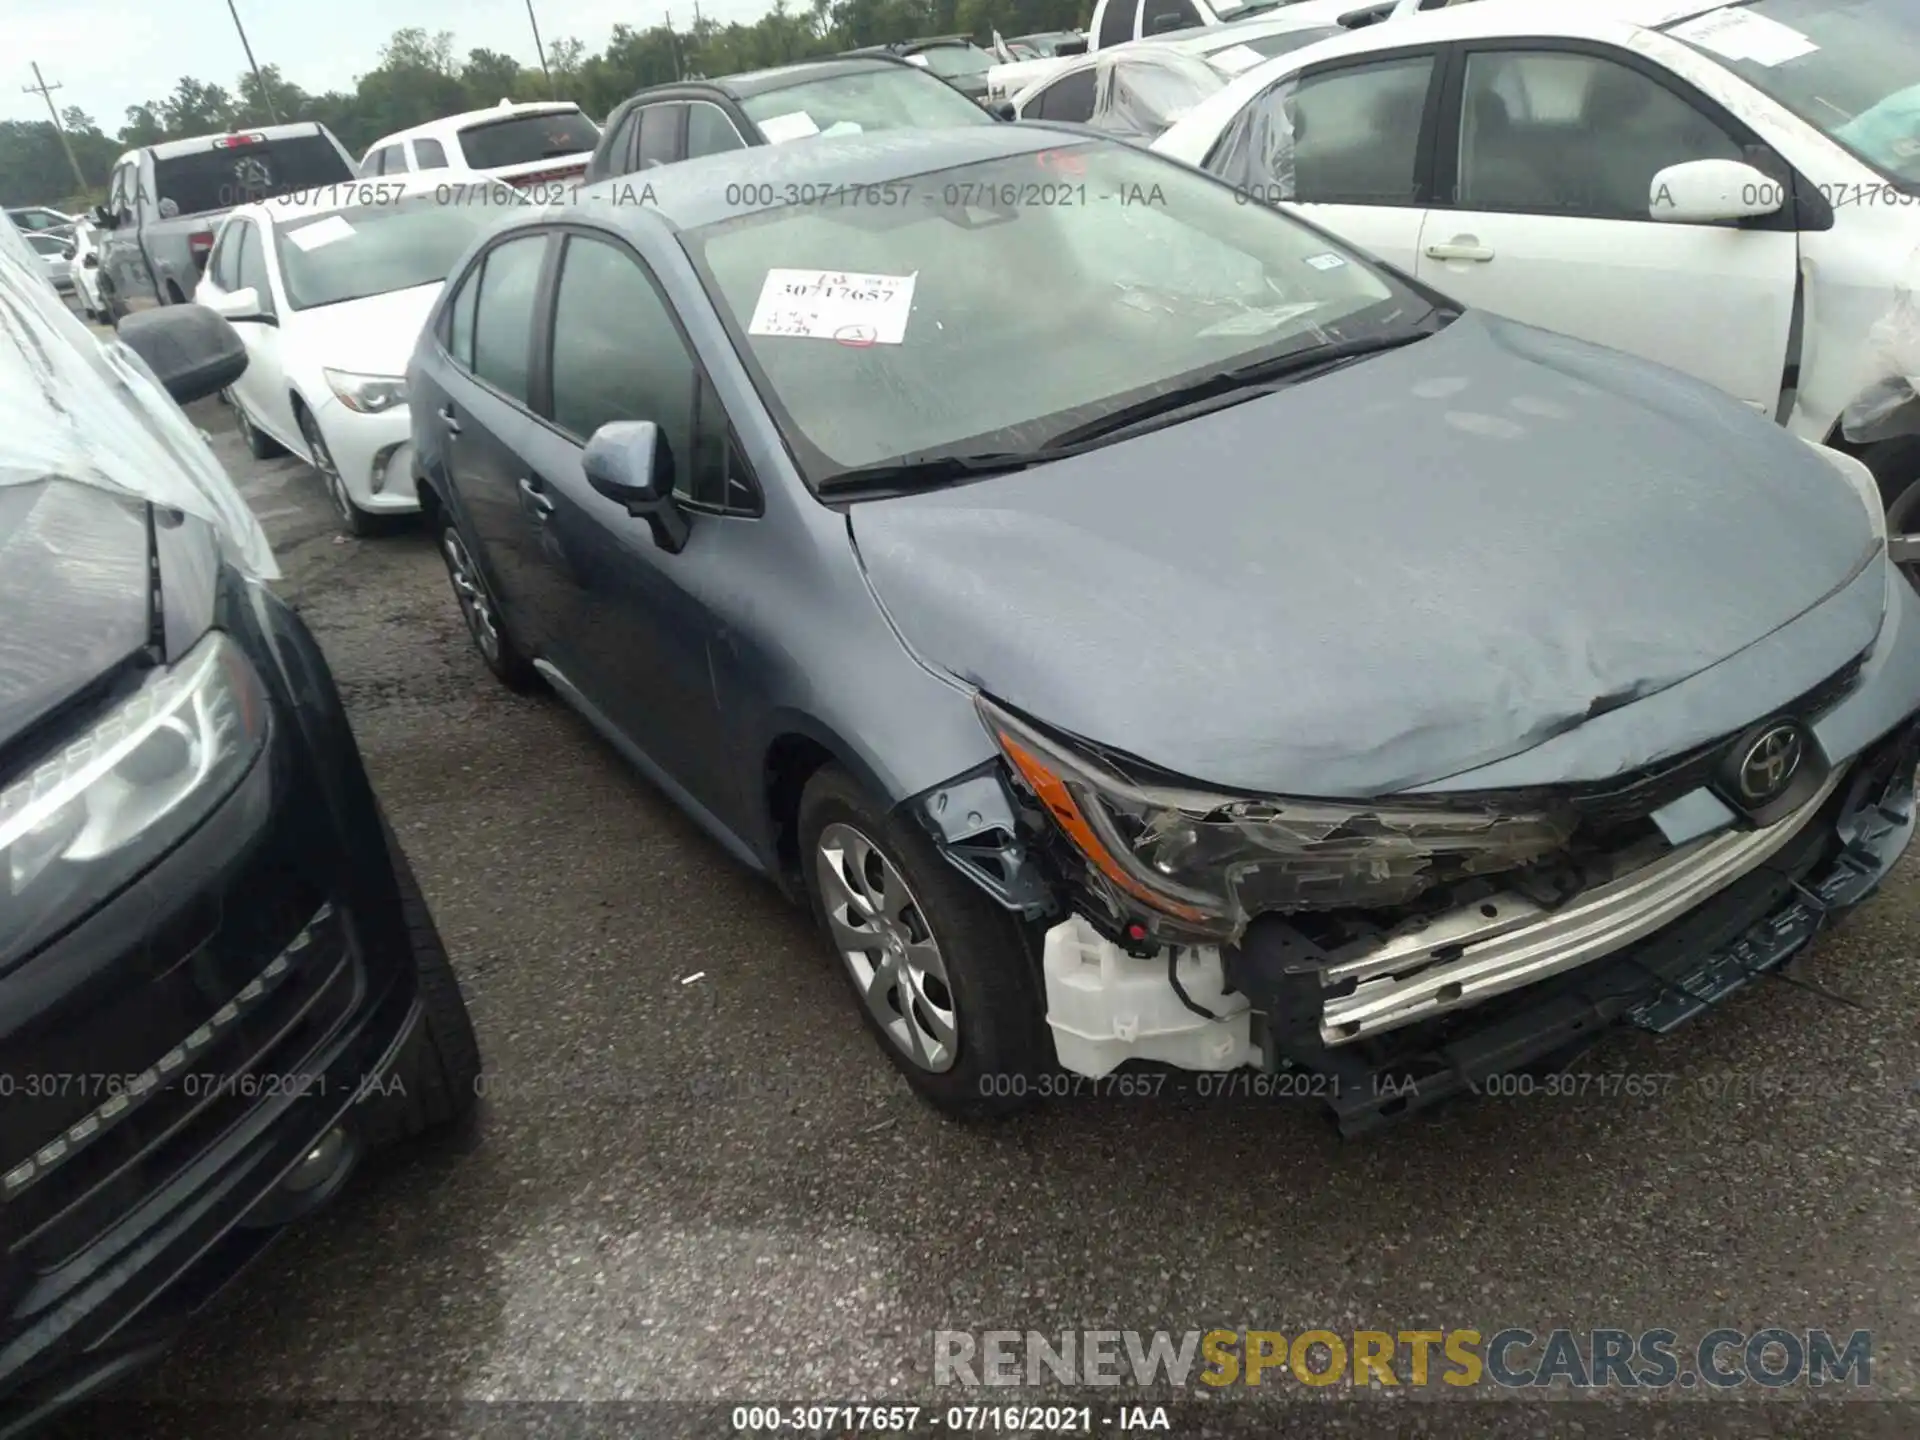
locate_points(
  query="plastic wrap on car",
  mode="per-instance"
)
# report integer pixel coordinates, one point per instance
(1141, 95)
(1255, 154)
(1889, 406)
(90, 411)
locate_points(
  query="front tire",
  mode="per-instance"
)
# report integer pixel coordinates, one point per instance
(943, 976)
(435, 1083)
(353, 519)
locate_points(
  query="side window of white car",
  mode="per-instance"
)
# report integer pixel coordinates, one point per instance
(222, 269)
(1068, 98)
(1564, 133)
(250, 264)
(429, 155)
(1337, 137)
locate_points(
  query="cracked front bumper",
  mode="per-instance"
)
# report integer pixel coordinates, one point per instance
(1748, 929)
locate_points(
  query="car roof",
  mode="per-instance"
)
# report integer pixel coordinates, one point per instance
(199, 144)
(749, 83)
(693, 193)
(1481, 19)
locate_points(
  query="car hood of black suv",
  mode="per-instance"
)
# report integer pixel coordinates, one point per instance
(75, 588)
(1400, 571)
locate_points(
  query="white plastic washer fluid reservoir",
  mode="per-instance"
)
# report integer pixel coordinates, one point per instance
(1106, 1006)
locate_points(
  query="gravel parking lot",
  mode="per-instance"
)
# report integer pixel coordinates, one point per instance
(715, 1188)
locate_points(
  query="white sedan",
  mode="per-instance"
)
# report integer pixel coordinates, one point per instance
(1142, 87)
(328, 291)
(1733, 190)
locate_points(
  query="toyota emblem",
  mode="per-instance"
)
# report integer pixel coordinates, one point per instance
(1771, 762)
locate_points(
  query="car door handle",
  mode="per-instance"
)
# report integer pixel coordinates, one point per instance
(449, 419)
(1463, 248)
(542, 504)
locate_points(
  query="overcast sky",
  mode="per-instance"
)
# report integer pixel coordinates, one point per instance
(109, 54)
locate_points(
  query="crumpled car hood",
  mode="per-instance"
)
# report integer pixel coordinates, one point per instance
(1421, 563)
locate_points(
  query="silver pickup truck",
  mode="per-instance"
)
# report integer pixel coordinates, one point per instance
(164, 201)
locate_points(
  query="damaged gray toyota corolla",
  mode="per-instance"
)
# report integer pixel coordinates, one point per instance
(1227, 656)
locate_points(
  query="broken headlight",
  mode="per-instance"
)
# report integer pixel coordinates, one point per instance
(1183, 864)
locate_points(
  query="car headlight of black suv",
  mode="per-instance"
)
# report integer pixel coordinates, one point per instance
(90, 817)
(1196, 866)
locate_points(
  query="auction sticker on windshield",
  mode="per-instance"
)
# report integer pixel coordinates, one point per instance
(795, 125)
(1741, 35)
(321, 232)
(834, 305)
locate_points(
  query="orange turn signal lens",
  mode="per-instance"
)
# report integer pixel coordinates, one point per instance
(1066, 812)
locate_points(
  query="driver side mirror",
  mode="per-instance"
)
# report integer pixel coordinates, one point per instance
(630, 462)
(1702, 191)
(103, 217)
(191, 351)
(92, 261)
(1070, 47)
(241, 307)
(1001, 110)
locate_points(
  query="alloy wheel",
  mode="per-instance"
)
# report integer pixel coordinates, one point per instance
(472, 596)
(882, 935)
(1903, 532)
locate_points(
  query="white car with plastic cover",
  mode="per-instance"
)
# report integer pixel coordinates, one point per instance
(147, 449)
(1733, 190)
(329, 291)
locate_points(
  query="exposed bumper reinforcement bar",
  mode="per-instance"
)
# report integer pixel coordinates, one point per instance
(1751, 928)
(1494, 946)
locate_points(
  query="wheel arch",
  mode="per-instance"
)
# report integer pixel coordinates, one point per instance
(798, 748)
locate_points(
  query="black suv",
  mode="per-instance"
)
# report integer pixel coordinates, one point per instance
(845, 95)
(219, 983)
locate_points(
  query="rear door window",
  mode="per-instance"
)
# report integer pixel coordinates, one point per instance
(218, 178)
(503, 321)
(429, 155)
(660, 131)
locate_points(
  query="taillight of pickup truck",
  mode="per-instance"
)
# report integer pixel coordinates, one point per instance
(200, 246)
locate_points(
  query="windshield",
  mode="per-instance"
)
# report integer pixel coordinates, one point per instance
(1004, 302)
(1849, 68)
(218, 179)
(357, 251)
(952, 62)
(887, 97)
(523, 139)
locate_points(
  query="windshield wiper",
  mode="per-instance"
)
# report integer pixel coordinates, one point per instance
(928, 472)
(1241, 383)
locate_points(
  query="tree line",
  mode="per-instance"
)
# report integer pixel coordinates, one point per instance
(422, 76)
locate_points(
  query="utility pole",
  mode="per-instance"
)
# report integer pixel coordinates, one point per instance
(673, 43)
(541, 51)
(266, 96)
(45, 92)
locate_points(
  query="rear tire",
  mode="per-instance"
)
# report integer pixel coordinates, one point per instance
(485, 625)
(260, 445)
(977, 978)
(435, 1083)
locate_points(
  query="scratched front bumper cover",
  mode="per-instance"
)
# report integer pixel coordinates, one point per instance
(1749, 930)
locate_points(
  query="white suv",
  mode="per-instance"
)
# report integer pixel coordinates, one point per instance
(526, 144)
